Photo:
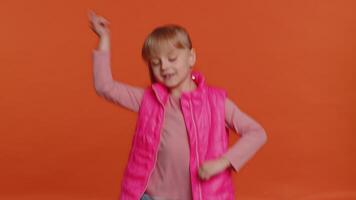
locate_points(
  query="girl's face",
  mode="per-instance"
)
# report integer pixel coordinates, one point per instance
(172, 67)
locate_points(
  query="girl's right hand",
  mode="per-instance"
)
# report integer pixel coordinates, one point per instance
(98, 24)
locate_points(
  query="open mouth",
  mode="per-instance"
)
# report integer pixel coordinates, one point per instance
(168, 76)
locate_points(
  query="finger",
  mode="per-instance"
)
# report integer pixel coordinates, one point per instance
(93, 19)
(106, 21)
(93, 29)
(91, 14)
(96, 19)
(202, 173)
(102, 20)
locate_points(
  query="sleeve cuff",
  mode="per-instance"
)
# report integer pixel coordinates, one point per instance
(97, 52)
(232, 164)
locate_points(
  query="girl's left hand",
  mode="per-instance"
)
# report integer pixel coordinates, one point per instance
(212, 167)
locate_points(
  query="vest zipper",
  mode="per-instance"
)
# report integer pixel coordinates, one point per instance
(154, 164)
(196, 145)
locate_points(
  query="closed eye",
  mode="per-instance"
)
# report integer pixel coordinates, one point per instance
(172, 59)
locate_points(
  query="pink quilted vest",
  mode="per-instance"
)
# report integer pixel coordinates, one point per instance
(203, 111)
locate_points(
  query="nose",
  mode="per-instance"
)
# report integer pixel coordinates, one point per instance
(164, 65)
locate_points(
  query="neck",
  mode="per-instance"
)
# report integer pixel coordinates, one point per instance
(176, 92)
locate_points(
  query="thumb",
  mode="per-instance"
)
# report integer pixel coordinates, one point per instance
(105, 21)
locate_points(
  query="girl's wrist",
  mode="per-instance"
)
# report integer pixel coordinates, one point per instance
(225, 162)
(104, 43)
(105, 36)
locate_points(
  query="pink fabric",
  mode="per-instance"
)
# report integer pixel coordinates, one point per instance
(170, 177)
(172, 167)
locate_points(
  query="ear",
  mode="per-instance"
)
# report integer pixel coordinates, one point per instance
(192, 57)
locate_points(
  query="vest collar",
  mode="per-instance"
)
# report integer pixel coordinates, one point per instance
(162, 92)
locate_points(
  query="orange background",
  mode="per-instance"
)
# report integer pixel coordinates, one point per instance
(288, 64)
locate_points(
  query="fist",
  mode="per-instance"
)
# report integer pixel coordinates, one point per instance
(98, 24)
(212, 167)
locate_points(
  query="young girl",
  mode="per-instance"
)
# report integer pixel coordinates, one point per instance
(180, 147)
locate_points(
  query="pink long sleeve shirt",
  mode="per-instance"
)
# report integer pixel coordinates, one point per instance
(170, 178)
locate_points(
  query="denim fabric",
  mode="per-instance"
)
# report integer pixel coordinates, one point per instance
(146, 197)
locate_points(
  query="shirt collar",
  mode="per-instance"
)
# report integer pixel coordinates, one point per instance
(162, 91)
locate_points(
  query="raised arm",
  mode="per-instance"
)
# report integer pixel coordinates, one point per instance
(253, 136)
(114, 91)
(117, 92)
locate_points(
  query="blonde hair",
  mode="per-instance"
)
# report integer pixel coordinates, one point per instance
(170, 33)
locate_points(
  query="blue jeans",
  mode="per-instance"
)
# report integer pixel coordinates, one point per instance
(146, 197)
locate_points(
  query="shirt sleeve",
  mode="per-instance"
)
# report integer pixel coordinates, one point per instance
(252, 135)
(122, 94)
